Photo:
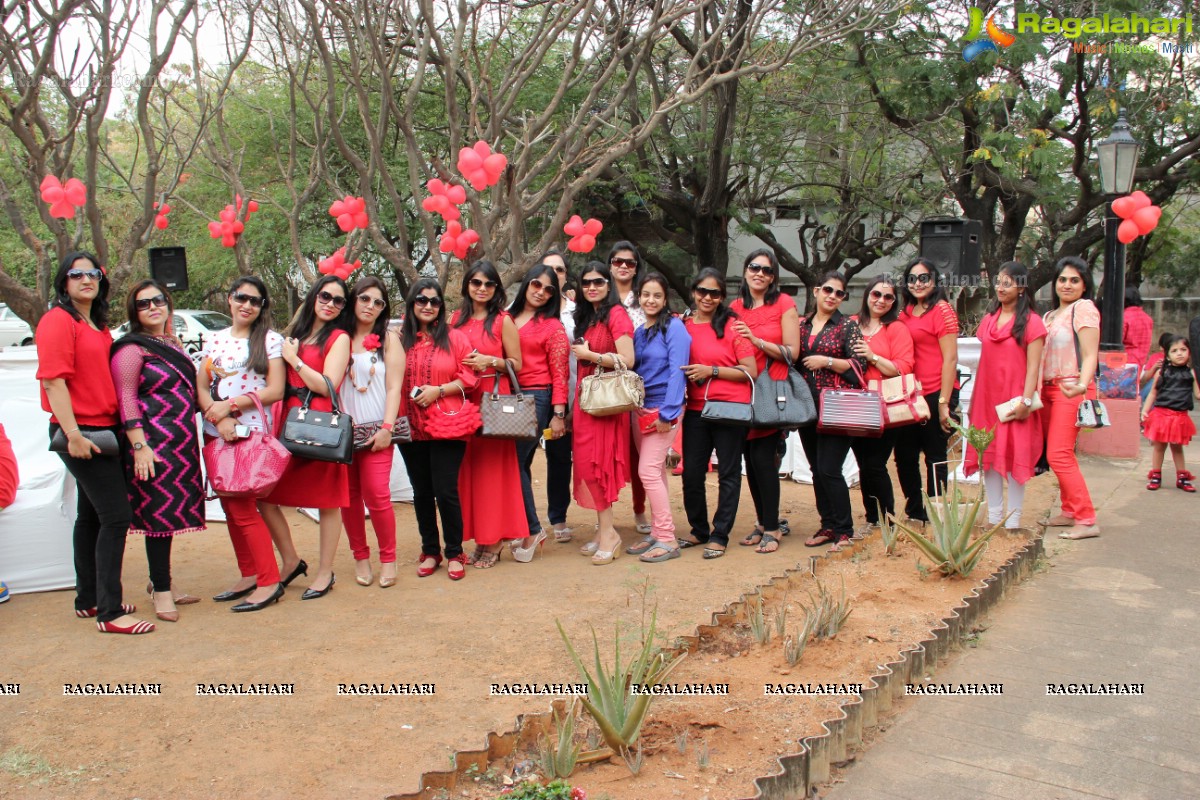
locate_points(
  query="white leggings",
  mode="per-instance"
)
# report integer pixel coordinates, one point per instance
(993, 483)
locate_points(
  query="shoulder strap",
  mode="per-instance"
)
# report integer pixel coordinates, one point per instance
(1075, 336)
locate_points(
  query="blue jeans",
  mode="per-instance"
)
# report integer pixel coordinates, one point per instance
(525, 451)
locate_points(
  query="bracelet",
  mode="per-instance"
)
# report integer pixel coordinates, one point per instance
(73, 430)
(441, 391)
(299, 365)
(387, 426)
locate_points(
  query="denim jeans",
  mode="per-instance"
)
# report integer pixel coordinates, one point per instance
(525, 453)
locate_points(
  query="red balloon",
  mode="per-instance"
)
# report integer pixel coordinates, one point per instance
(451, 214)
(1123, 207)
(251, 208)
(345, 222)
(337, 208)
(456, 194)
(49, 180)
(237, 227)
(361, 220)
(587, 243)
(214, 230)
(1146, 219)
(574, 226)
(1127, 232)
(469, 161)
(228, 214)
(593, 227)
(161, 222)
(76, 192)
(53, 194)
(1140, 200)
(166, 209)
(62, 209)
(434, 204)
(228, 240)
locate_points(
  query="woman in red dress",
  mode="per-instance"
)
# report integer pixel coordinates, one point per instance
(1012, 336)
(317, 347)
(489, 483)
(604, 334)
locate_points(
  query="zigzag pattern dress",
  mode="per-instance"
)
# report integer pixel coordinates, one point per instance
(156, 388)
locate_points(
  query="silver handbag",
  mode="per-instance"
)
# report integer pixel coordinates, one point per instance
(606, 393)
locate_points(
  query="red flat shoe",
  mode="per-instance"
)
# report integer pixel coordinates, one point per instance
(88, 613)
(461, 560)
(425, 572)
(141, 626)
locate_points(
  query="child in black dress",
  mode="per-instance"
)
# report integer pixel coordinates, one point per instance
(1165, 413)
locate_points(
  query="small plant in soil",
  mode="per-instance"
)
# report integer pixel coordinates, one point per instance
(681, 742)
(889, 533)
(781, 615)
(757, 621)
(702, 755)
(949, 545)
(559, 755)
(794, 646)
(828, 613)
(555, 790)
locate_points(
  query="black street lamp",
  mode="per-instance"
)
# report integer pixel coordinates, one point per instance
(1118, 156)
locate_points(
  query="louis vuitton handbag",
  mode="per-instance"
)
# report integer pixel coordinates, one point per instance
(320, 435)
(508, 416)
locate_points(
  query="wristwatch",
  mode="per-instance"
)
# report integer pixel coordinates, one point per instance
(830, 362)
(716, 372)
(1027, 401)
(560, 415)
(874, 359)
(139, 445)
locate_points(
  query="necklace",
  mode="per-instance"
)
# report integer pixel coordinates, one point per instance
(370, 375)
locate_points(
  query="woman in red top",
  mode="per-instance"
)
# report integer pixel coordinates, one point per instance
(934, 327)
(436, 382)
(317, 347)
(489, 483)
(73, 344)
(545, 370)
(767, 319)
(887, 346)
(604, 334)
(721, 367)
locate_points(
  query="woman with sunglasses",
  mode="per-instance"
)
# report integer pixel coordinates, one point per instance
(76, 387)
(317, 347)
(1069, 362)
(934, 327)
(489, 483)
(371, 396)
(156, 388)
(243, 360)
(558, 449)
(828, 343)
(721, 366)
(767, 319)
(887, 347)
(545, 370)
(437, 379)
(604, 336)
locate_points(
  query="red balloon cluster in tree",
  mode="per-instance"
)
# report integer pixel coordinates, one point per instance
(1139, 215)
(63, 198)
(160, 219)
(583, 234)
(229, 227)
(350, 213)
(457, 241)
(336, 264)
(444, 199)
(480, 166)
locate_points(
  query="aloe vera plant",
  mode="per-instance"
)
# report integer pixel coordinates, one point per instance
(949, 546)
(559, 755)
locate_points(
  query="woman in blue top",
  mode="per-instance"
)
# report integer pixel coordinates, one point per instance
(662, 345)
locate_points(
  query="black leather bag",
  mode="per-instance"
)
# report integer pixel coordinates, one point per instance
(784, 404)
(508, 416)
(320, 435)
(729, 412)
(106, 440)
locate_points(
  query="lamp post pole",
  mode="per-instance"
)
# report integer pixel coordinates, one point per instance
(1118, 155)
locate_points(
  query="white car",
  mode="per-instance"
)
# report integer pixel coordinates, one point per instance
(192, 326)
(13, 330)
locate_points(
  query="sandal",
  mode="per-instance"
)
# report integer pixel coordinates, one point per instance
(667, 553)
(684, 544)
(712, 552)
(474, 557)
(562, 535)
(843, 543)
(486, 559)
(769, 542)
(821, 537)
(637, 548)
(784, 528)
(753, 538)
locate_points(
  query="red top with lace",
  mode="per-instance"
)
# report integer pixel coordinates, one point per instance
(71, 349)
(451, 417)
(926, 331)
(545, 357)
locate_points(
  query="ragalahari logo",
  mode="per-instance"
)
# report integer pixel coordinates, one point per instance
(995, 36)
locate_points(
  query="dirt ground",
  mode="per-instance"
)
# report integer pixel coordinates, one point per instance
(497, 626)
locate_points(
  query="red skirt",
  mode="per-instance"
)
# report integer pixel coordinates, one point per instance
(1167, 426)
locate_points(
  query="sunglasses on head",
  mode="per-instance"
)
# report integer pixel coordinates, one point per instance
(840, 294)
(374, 302)
(425, 300)
(542, 286)
(592, 283)
(252, 299)
(145, 303)
(765, 269)
(335, 300)
(919, 279)
(878, 295)
(478, 283)
(711, 294)
(623, 262)
(80, 274)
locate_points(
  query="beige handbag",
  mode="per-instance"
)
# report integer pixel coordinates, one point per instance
(606, 393)
(903, 403)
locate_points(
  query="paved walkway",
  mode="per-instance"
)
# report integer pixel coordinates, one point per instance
(1124, 608)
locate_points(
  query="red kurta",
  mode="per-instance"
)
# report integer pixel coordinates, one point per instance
(601, 444)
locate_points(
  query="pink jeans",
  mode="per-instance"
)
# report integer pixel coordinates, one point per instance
(652, 452)
(370, 478)
(1058, 420)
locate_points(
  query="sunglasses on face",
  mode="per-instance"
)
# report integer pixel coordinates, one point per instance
(920, 280)
(335, 300)
(711, 294)
(477, 283)
(878, 295)
(423, 300)
(623, 262)
(374, 302)
(145, 303)
(765, 269)
(540, 286)
(840, 294)
(80, 274)
(252, 299)
(593, 283)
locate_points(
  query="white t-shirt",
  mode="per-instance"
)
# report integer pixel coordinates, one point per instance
(634, 308)
(229, 358)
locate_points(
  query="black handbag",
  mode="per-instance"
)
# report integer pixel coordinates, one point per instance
(508, 416)
(105, 439)
(320, 435)
(786, 404)
(729, 412)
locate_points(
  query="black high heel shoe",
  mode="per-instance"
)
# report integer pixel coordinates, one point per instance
(225, 597)
(248, 606)
(313, 594)
(301, 569)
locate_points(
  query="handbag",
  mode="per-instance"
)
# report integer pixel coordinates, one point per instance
(786, 404)
(106, 440)
(320, 435)
(852, 412)
(1004, 411)
(903, 403)
(364, 432)
(729, 412)
(1092, 414)
(249, 467)
(508, 416)
(605, 393)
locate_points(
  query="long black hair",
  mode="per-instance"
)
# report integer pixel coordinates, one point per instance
(131, 311)
(772, 291)
(1025, 302)
(722, 314)
(1079, 265)
(439, 329)
(889, 316)
(487, 270)
(585, 314)
(62, 300)
(552, 307)
(306, 318)
(939, 291)
(637, 256)
(261, 325)
(663, 321)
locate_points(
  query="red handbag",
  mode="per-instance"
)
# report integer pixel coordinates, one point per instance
(249, 467)
(852, 412)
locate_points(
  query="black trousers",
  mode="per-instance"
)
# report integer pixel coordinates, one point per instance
(762, 474)
(101, 523)
(558, 479)
(913, 441)
(432, 466)
(158, 557)
(826, 453)
(700, 438)
(873, 479)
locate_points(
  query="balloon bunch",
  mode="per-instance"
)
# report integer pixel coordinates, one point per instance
(456, 240)
(444, 200)
(1139, 215)
(229, 228)
(336, 264)
(160, 219)
(583, 234)
(480, 166)
(63, 198)
(350, 212)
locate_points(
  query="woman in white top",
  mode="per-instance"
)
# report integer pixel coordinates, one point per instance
(237, 362)
(371, 396)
